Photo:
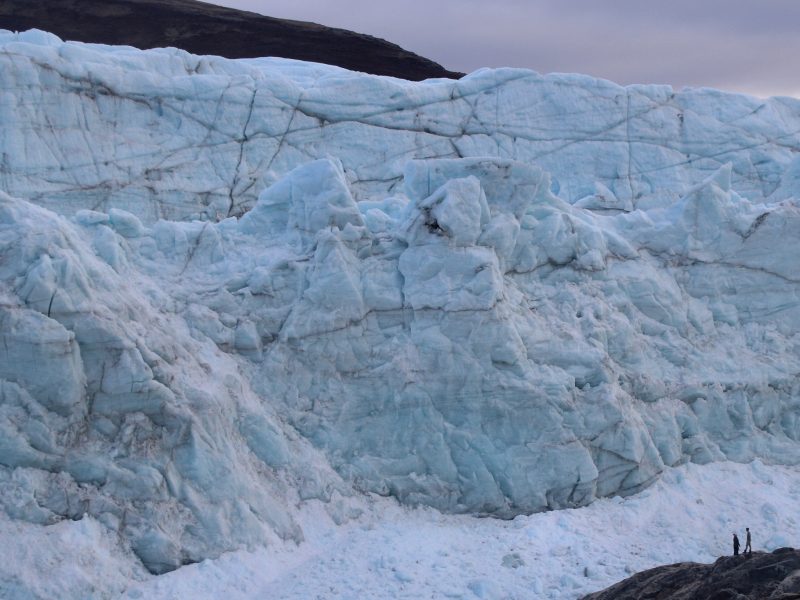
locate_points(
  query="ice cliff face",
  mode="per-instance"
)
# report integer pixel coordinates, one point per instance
(228, 286)
(166, 134)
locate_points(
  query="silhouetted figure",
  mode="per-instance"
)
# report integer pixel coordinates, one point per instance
(748, 549)
(735, 545)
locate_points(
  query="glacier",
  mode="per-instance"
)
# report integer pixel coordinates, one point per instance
(251, 284)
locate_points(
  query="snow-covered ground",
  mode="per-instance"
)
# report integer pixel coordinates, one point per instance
(391, 551)
(395, 552)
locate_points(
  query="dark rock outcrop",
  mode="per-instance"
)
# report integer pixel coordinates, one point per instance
(203, 28)
(762, 576)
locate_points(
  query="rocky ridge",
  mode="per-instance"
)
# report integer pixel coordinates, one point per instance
(759, 576)
(203, 28)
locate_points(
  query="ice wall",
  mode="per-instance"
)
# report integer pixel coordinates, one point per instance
(166, 134)
(112, 404)
(500, 295)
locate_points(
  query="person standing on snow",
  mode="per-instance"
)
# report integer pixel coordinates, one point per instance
(735, 545)
(748, 549)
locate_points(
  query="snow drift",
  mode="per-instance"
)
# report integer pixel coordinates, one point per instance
(229, 286)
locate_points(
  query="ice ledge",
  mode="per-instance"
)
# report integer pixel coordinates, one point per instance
(165, 134)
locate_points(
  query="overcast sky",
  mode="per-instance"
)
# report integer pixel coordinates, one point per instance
(750, 46)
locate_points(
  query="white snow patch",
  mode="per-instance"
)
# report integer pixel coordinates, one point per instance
(396, 552)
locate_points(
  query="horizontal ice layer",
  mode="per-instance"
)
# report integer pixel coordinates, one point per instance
(165, 134)
(464, 332)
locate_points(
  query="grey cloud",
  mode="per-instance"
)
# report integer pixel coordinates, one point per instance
(742, 16)
(739, 45)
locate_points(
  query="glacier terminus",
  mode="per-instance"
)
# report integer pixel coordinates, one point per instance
(231, 286)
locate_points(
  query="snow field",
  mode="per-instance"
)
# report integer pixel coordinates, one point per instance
(397, 552)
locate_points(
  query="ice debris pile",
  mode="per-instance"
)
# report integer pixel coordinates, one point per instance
(229, 286)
